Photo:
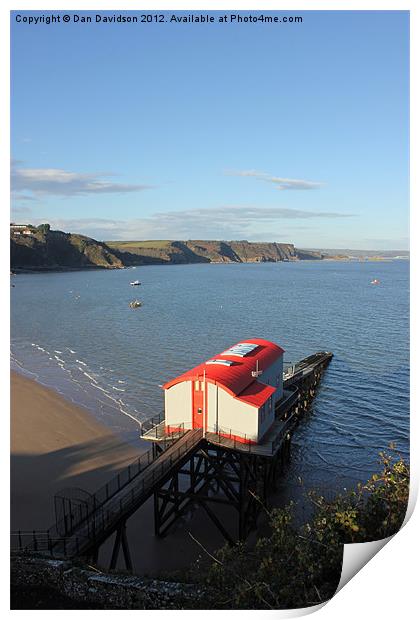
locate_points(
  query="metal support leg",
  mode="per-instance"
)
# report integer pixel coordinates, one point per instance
(126, 549)
(121, 541)
(116, 549)
(157, 514)
(242, 485)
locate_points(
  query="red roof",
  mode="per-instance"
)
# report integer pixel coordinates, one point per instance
(256, 394)
(237, 377)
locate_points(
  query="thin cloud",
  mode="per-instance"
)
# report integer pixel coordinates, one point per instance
(21, 196)
(230, 222)
(234, 213)
(41, 182)
(281, 183)
(21, 211)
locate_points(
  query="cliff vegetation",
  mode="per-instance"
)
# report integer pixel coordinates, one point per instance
(37, 248)
(52, 249)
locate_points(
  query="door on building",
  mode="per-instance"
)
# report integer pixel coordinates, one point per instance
(198, 403)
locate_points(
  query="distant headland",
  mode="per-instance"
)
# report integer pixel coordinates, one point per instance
(38, 248)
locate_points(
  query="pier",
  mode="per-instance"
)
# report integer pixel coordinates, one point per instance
(182, 469)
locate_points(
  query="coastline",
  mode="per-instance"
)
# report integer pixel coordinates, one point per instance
(325, 259)
(17, 270)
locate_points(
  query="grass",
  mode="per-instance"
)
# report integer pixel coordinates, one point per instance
(125, 245)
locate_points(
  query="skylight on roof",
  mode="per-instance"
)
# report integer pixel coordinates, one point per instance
(221, 362)
(241, 349)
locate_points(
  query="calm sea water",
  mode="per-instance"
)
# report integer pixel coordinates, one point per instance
(75, 332)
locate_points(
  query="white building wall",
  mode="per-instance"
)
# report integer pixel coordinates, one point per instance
(266, 419)
(236, 416)
(271, 375)
(178, 404)
(223, 411)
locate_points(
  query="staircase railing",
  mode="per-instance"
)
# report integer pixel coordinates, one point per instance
(104, 518)
(40, 541)
(73, 518)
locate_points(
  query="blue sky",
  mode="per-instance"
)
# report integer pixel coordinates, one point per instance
(278, 132)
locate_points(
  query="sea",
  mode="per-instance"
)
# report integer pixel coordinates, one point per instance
(75, 332)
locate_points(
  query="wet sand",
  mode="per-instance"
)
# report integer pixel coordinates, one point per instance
(56, 445)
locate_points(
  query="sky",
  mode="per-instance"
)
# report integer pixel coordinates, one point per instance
(288, 132)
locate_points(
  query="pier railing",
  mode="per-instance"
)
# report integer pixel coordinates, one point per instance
(39, 541)
(229, 437)
(75, 512)
(285, 404)
(267, 446)
(282, 433)
(151, 423)
(106, 516)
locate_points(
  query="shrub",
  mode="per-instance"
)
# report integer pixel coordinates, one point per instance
(44, 228)
(301, 566)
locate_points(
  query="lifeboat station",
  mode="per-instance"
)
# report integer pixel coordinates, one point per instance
(233, 394)
(221, 445)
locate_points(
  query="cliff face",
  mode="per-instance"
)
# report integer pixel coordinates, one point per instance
(59, 250)
(263, 252)
(56, 249)
(158, 252)
(309, 255)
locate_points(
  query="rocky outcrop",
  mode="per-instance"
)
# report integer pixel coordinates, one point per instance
(263, 252)
(59, 250)
(309, 255)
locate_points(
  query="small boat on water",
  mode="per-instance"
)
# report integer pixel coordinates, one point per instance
(375, 281)
(135, 283)
(135, 303)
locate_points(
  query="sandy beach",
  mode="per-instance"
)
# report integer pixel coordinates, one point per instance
(56, 445)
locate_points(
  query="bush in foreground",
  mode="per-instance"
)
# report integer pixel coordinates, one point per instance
(301, 566)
